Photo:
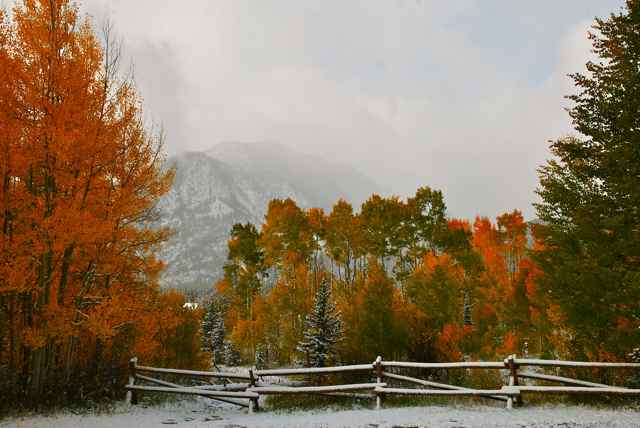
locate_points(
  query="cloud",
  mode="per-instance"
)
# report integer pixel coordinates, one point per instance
(459, 95)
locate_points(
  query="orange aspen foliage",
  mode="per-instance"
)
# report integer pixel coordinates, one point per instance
(286, 235)
(487, 243)
(459, 224)
(510, 344)
(448, 342)
(512, 231)
(80, 178)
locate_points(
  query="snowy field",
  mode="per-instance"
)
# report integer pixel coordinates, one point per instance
(200, 413)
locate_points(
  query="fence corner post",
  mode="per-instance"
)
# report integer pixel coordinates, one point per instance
(132, 396)
(253, 402)
(377, 365)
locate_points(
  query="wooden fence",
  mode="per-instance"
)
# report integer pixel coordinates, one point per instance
(250, 387)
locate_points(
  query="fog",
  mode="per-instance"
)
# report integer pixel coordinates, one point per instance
(458, 95)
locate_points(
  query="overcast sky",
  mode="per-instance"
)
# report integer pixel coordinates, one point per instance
(460, 95)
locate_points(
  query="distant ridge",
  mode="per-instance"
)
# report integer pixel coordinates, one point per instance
(275, 161)
(233, 182)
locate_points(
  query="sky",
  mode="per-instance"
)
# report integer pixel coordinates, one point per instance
(459, 95)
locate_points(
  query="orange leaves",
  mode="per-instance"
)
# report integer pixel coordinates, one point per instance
(487, 242)
(317, 220)
(449, 341)
(33, 339)
(168, 331)
(458, 224)
(445, 262)
(80, 176)
(510, 344)
(286, 233)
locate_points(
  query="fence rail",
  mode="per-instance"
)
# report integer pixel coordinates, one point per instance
(560, 363)
(314, 370)
(194, 373)
(460, 365)
(255, 386)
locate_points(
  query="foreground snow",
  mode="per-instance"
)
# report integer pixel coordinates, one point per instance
(200, 413)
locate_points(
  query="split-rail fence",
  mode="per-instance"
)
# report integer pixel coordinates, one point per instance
(245, 389)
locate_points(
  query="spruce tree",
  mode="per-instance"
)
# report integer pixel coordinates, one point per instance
(323, 329)
(207, 327)
(261, 356)
(214, 332)
(231, 354)
(590, 193)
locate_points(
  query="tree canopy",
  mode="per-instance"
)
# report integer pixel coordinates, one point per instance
(590, 206)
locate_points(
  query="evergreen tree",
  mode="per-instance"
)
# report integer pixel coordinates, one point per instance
(323, 328)
(214, 332)
(231, 354)
(591, 196)
(207, 328)
(261, 356)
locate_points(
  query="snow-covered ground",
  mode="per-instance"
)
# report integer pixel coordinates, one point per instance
(200, 413)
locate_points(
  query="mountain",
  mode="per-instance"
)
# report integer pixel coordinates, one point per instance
(234, 182)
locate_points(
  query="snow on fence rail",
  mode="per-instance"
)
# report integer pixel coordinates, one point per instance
(194, 373)
(254, 388)
(560, 363)
(315, 389)
(314, 370)
(460, 365)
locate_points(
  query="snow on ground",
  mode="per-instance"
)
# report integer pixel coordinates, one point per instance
(200, 414)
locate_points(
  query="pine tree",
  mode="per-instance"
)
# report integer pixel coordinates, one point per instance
(231, 354)
(323, 328)
(207, 328)
(591, 195)
(261, 356)
(214, 332)
(217, 337)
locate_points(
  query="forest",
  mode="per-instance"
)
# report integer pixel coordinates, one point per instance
(406, 280)
(82, 173)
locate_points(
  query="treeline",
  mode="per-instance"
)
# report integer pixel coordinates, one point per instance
(80, 175)
(407, 280)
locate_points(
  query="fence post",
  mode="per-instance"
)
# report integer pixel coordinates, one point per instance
(377, 364)
(132, 396)
(513, 379)
(253, 402)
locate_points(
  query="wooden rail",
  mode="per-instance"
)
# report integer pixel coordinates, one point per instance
(266, 390)
(559, 363)
(255, 387)
(438, 385)
(193, 373)
(578, 390)
(461, 365)
(194, 391)
(313, 370)
(470, 392)
(560, 379)
(174, 385)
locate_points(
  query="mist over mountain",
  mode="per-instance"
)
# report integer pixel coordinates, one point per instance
(234, 182)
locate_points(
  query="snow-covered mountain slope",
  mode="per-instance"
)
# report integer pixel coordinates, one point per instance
(234, 182)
